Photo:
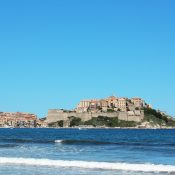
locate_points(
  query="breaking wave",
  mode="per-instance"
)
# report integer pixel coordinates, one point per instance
(83, 142)
(40, 141)
(73, 142)
(58, 141)
(120, 143)
(89, 165)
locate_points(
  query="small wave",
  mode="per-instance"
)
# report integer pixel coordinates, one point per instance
(58, 141)
(96, 142)
(89, 165)
(8, 145)
(26, 141)
(82, 142)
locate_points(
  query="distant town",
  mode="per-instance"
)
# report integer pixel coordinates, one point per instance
(20, 120)
(112, 111)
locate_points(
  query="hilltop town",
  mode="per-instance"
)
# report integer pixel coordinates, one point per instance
(108, 112)
(111, 103)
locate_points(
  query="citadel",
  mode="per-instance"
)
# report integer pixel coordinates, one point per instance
(122, 108)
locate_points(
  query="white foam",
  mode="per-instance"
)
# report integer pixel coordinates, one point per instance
(89, 165)
(58, 141)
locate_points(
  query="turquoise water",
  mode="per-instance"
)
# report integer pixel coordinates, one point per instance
(91, 151)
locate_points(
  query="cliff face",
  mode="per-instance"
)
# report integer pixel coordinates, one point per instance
(58, 115)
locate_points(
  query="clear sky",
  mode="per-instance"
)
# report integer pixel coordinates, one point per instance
(55, 53)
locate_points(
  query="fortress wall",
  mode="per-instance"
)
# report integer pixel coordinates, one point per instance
(134, 118)
(88, 116)
(56, 115)
(111, 115)
(123, 116)
(84, 116)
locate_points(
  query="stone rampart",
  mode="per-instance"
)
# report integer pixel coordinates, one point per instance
(55, 115)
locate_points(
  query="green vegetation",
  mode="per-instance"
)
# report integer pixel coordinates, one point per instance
(60, 123)
(56, 124)
(75, 121)
(100, 121)
(110, 122)
(110, 110)
(151, 115)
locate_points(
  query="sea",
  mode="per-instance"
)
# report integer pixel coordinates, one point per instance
(81, 151)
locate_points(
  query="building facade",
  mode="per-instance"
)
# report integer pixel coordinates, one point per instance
(110, 103)
(138, 102)
(18, 119)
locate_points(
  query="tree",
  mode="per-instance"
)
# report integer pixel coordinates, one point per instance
(60, 123)
(75, 121)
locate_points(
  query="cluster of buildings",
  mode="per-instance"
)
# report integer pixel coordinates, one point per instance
(112, 107)
(19, 120)
(110, 103)
(122, 108)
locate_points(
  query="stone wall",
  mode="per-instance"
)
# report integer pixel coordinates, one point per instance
(55, 115)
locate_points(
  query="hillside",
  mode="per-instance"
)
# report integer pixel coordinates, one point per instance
(155, 117)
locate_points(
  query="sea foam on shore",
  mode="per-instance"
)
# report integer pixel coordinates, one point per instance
(89, 165)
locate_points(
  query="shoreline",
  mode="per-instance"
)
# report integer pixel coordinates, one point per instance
(87, 128)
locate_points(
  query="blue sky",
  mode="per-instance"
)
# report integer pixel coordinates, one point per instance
(55, 53)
